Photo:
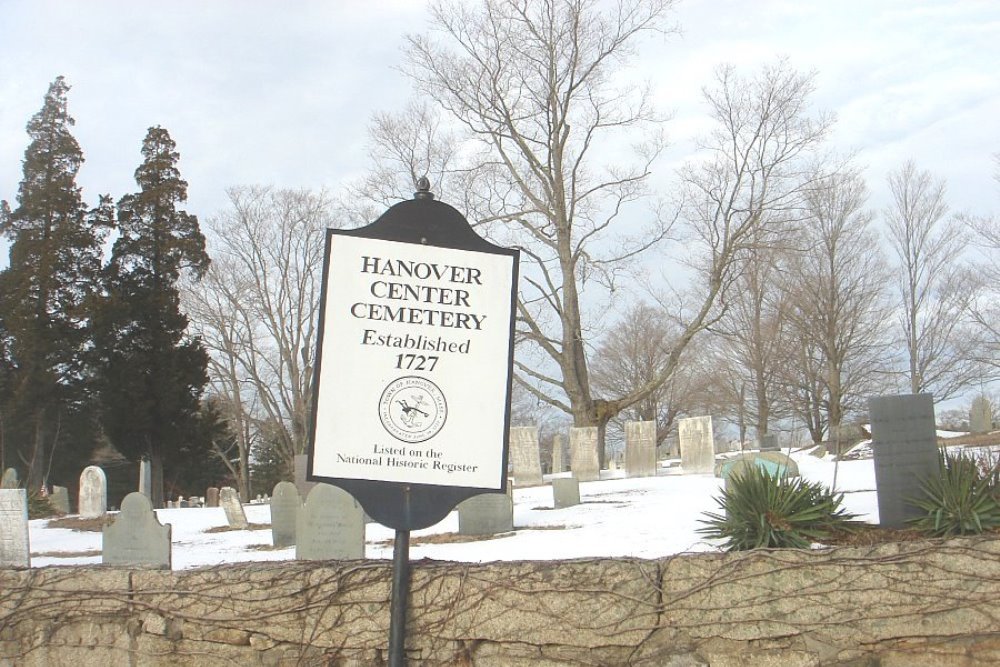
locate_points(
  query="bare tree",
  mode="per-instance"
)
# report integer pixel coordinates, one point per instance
(934, 288)
(533, 86)
(837, 307)
(634, 353)
(751, 338)
(985, 302)
(257, 313)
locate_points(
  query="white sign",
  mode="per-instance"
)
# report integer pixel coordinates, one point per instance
(415, 364)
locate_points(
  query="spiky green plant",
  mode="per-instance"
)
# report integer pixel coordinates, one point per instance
(960, 499)
(765, 511)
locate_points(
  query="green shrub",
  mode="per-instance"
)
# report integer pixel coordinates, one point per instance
(961, 499)
(39, 507)
(765, 511)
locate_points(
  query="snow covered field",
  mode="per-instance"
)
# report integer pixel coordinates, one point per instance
(644, 517)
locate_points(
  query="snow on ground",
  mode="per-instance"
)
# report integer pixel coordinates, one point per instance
(647, 517)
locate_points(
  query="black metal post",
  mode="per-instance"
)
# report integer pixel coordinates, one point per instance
(398, 602)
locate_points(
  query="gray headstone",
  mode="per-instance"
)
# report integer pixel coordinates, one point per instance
(697, 444)
(93, 493)
(583, 458)
(565, 492)
(146, 478)
(768, 442)
(9, 480)
(981, 415)
(524, 456)
(557, 454)
(212, 497)
(904, 445)
(330, 526)
(14, 548)
(136, 537)
(640, 449)
(285, 504)
(301, 467)
(230, 501)
(486, 514)
(59, 499)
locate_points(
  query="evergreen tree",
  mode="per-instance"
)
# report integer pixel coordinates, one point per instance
(152, 374)
(55, 260)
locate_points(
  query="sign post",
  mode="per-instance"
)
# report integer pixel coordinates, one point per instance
(411, 405)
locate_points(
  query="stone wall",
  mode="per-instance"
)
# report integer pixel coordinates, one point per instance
(918, 603)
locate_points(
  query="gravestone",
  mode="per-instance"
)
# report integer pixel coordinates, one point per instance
(285, 504)
(301, 467)
(136, 538)
(486, 514)
(93, 498)
(583, 458)
(697, 444)
(640, 449)
(981, 415)
(146, 478)
(524, 456)
(59, 499)
(904, 445)
(565, 492)
(330, 525)
(768, 442)
(212, 497)
(775, 464)
(14, 548)
(557, 454)
(10, 480)
(230, 501)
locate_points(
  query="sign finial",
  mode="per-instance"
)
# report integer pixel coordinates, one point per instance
(423, 189)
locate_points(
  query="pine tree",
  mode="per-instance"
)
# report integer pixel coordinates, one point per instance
(152, 374)
(55, 260)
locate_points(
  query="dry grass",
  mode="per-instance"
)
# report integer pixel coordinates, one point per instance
(81, 525)
(226, 529)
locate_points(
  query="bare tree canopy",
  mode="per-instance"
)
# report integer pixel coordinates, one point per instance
(935, 290)
(256, 312)
(533, 86)
(537, 89)
(837, 308)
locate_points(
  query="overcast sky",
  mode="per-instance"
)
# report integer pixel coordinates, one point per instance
(263, 92)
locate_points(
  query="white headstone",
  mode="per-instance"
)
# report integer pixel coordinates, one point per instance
(524, 455)
(59, 500)
(584, 460)
(285, 506)
(565, 492)
(486, 514)
(981, 415)
(136, 537)
(640, 449)
(14, 548)
(146, 478)
(697, 444)
(93, 493)
(557, 454)
(230, 501)
(331, 525)
(9, 480)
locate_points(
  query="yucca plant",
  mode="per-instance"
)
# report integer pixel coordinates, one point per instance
(961, 499)
(765, 511)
